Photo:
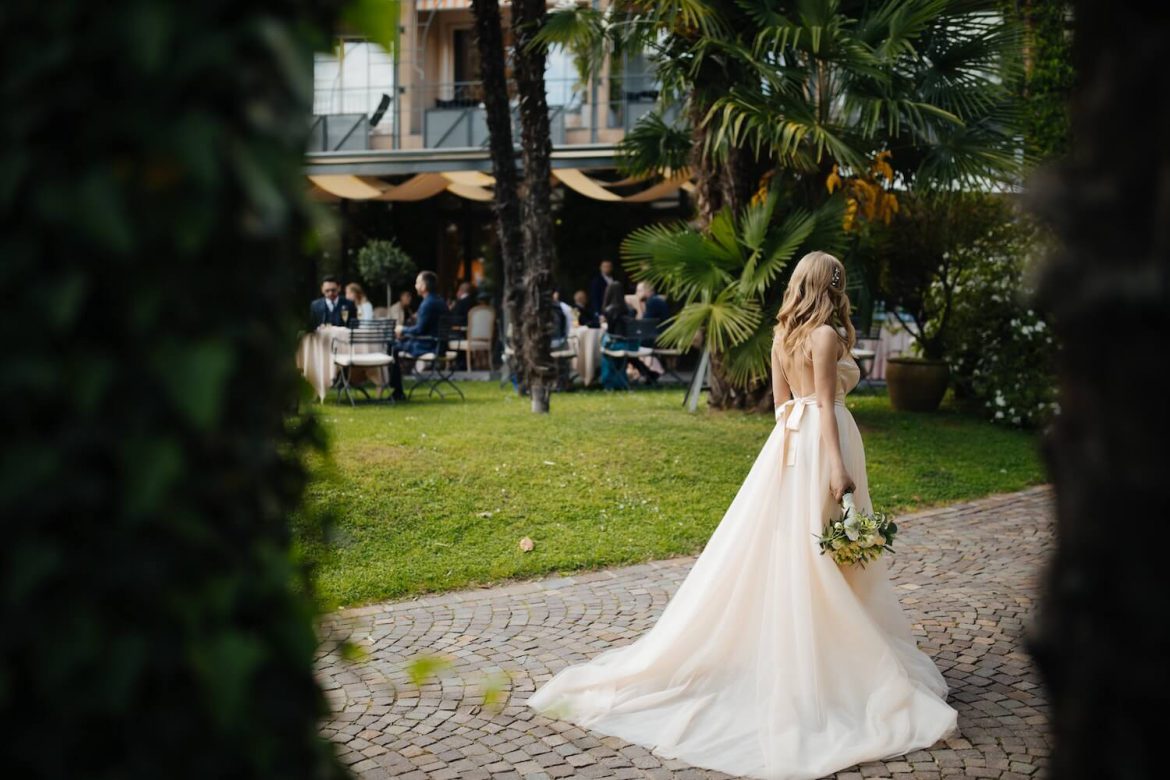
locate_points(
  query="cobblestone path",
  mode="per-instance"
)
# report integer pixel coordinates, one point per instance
(968, 576)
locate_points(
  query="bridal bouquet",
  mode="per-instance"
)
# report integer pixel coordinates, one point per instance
(857, 537)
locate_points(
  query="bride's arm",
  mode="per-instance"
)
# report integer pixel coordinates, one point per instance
(825, 343)
(781, 392)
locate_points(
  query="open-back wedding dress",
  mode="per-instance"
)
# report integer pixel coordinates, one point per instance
(771, 661)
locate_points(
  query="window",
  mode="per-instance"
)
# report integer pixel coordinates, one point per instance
(352, 79)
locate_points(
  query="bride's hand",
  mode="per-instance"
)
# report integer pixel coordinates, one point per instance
(840, 483)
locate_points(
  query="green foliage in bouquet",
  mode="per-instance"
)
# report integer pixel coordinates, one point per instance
(857, 537)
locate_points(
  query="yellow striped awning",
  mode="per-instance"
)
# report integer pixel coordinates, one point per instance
(441, 5)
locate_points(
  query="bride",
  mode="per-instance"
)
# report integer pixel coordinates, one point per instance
(772, 661)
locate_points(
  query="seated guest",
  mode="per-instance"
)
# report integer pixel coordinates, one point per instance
(422, 336)
(585, 314)
(401, 311)
(615, 311)
(355, 293)
(329, 308)
(653, 306)
(564, 321)
(464, 300)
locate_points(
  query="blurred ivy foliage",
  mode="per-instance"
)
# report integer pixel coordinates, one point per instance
(152, 221)
(1050, 79)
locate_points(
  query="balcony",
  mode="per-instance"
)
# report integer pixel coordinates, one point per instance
(451, 115)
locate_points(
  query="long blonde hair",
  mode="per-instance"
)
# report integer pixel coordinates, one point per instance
(360, 294)
(815, 296)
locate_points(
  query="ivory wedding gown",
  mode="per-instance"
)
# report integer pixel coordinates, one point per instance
(771, 661)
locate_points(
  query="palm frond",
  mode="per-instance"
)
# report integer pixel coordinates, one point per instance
(731, 319)
(678, 260)
(653, 146)
(827, 234)
(581, 31)
(722, 236)
(776, 250)
(753, 225)
(748, 361)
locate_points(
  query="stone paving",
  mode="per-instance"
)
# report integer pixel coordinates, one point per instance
(968, 576)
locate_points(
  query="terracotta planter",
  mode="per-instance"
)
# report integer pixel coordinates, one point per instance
(916, 384)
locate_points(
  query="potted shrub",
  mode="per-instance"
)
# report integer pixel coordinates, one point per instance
(383, 262)
(921, 256)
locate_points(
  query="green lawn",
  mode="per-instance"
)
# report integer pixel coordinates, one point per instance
(433, 495)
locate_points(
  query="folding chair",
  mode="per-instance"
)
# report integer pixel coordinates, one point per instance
(440, 362)
(368, 346)
(564, 360)
(668, 357)
(645, 332)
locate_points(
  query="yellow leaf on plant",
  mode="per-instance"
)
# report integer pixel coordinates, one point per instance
(833, 182)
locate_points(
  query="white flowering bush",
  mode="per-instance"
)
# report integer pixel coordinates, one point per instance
(1000, 349)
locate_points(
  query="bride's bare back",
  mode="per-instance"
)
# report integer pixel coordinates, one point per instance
(794, 375)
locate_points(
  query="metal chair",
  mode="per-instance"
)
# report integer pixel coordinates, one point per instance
(564, 360)
(864, 357)
(440, 362)
(508, 360)
(359, 350)
(667, 356)
(646, 332)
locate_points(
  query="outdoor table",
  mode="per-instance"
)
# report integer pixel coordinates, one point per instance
(315, 359)
(894, 340)
(587, 364)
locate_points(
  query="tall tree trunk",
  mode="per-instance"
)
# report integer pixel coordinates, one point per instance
(709, 191)
(537, 225)
(1104, 634)
(490, 42)
(719, 184)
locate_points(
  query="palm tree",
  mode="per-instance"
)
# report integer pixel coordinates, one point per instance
(836, 82)
(725, 276)
(493, 71)
(808, 90)
(524, 224)
(528, 17)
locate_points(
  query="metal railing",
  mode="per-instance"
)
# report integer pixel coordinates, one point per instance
(339, 132)
(452, 114)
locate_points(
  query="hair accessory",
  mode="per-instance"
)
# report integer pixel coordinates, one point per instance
(836, 275)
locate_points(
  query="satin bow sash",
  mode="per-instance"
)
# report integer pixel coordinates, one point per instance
(792, 410)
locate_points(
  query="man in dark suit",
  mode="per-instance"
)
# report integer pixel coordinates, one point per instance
(422, 336)
(327, 310)
(585, 314)
(464, 300)
(652, 305)
(599, 283)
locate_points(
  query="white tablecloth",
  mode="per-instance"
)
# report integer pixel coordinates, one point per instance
(315, 359)
(587, 364)
(894, 340)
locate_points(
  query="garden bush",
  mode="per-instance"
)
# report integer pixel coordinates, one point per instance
(150, 172)
(382, 262)
(999, 346)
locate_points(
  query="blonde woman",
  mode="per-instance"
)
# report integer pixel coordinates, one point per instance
(771, 660)
(355, 293)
